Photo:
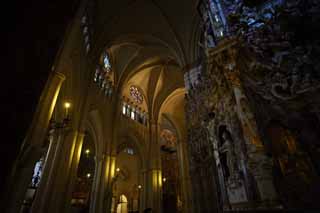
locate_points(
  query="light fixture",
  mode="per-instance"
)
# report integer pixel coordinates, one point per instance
(164, 179)
(118, 170)
(67, 105)
(139, 186)
(87, 151)
(88, 175)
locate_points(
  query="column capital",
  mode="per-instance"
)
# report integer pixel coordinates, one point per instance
(59, 75)
(82, 133)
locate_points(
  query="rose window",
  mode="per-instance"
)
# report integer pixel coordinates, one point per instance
(136, 94)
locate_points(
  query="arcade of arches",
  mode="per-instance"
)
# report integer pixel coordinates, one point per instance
(177, 106)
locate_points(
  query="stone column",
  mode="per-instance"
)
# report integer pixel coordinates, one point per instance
(185, 176)
(38, 130)
(73, 170)
(153, 174)
(107, 184)
(58, 197)
(30, 152)
(49, 170)
(153, 190)
(59, 171)
(258, 163)
(95, 205)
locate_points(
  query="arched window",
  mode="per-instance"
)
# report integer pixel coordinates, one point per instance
(122, 205)
(106, 63)
(129, 151)
(217, 18)
(133, 113)
(37, 172)
(128, 110)
(96, 75)
(103, 75)
(124, 108)
(214, 22)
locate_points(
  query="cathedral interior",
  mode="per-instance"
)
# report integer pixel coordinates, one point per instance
(165, 106)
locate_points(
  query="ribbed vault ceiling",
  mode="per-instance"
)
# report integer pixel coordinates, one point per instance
(150, 42)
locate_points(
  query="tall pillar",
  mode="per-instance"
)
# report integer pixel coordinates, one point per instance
(59, 195)
(108, 182)
(73, 171)
(22, 171)
(95, 205)
(55, 188)
(46, 184)
(38, 130)
(153, 190)
(153, 174)
(185, 176)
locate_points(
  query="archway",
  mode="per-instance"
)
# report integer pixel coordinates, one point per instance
(81, 195)
(122, 206)
(170, 171)
(173, 153)
(127, 182)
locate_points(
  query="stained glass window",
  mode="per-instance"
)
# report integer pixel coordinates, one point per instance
(217, 18)
(124, 108)
(128, 110)
(129, 151)
(214, 21)
(136, 94)
(133, 114)
(37, 172)
(106, 63)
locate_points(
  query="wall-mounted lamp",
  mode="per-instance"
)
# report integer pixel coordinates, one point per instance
(164, 180)
(67, 106)
(139, 186)
(88, 175)
(118, 170)
(64, 123)
(87, 151)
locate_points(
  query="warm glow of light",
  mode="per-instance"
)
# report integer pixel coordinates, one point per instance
(67, 105)
(87, 151)
(88, 175)
(164, 179)
(112, 161)
(139, 186)
(118, 170)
